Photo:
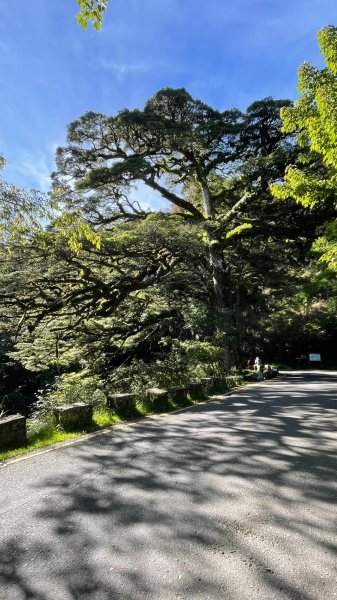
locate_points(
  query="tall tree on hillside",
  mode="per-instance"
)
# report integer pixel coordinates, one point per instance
(104, 261)
(173, 142)
(211, 165)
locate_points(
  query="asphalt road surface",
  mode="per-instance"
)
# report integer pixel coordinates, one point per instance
(230, 500)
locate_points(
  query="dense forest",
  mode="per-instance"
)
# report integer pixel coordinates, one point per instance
(99, 292)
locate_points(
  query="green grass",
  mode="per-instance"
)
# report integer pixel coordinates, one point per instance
(53, 438)
(48, 434)
(103, 417)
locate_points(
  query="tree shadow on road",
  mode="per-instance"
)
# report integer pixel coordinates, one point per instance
(232, 500)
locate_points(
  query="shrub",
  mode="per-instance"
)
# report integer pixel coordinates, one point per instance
(78, 387)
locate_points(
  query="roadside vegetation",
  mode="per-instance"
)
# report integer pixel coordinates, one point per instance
(100, 294)
(43, 430)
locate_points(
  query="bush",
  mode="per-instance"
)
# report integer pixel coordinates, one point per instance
(68, 388)
(166, 371)
(78, 387)
(203, 358)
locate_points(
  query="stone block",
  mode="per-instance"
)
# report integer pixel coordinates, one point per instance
(157, 395)
(250, 376)
(121, 401)
(73, 416)
(207, 382)
(218, 380)
(233, 381)
(195, 388)
(179, 392)
(13, 431)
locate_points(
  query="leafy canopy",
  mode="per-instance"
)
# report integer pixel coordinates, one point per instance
(313, 181)
(91, 10)
(314, 118)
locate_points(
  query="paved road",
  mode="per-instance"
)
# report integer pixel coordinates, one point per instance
(231, 500)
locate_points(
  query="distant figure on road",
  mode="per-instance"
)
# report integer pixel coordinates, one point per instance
(257, 364)
(250, 362)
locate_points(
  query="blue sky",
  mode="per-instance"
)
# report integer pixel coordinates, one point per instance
(227, 53)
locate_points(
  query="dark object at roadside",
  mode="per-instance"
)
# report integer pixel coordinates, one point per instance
(155, 395)
(267, 373)
(270, 372)
(179, 392)
(12, 431)
(73, 416)
(121, 402)
(195, 387)
(207, 382)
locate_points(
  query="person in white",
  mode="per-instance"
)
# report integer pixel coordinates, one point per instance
(257, 363)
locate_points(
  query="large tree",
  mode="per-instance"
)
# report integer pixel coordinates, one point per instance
(175, 145)
(108, 280)
(213, 167)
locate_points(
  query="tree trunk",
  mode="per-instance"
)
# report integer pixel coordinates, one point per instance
(218, 267)
(215, 254)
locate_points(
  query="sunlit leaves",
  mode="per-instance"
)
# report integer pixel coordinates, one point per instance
(314, 117)
(239, 229)
(327, 41)
(76, 231)
(305, 187)
(91, 10)
(21, 212)
(326, 245)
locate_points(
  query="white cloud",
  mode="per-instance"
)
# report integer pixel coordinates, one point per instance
(121, 68)
(35, 169)
(38, 172)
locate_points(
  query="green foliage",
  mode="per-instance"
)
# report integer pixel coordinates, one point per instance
(77, 232)
(202, 358)
(164, 370)
(314, 117)
(21, 213)
(65, 389)
(91, 10)
(326, 245)
(314, 114)
(105, 296)
(239, 229)
(78, 387)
